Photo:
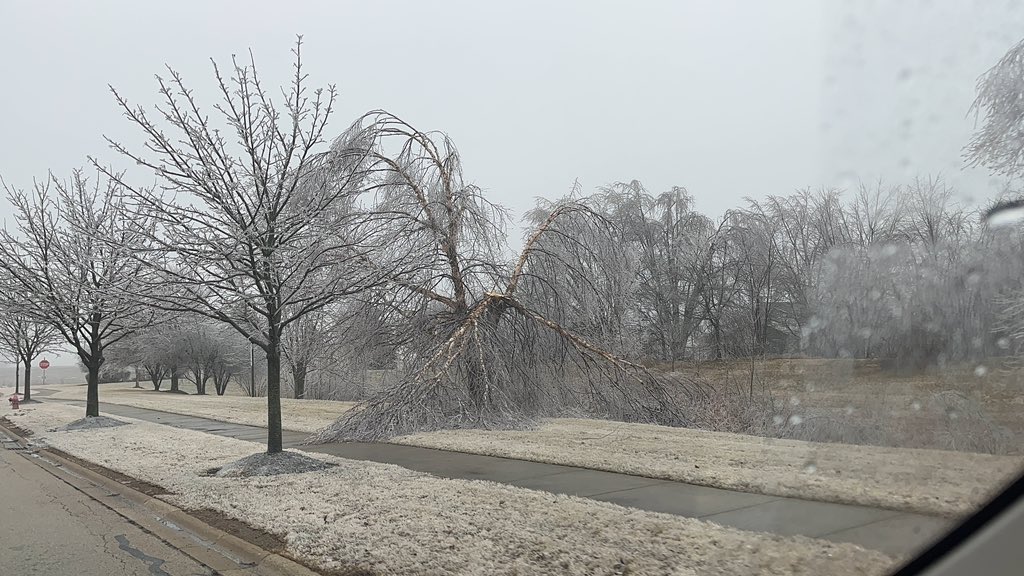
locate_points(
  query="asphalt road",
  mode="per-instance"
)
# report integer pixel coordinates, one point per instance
(49, 528)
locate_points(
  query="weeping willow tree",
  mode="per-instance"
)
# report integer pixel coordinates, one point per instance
(486, 341)
(998, 144)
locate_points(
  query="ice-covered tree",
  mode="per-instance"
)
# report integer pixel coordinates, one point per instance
(257, 221)
(76, 261)
(24, 339)
(486, 345)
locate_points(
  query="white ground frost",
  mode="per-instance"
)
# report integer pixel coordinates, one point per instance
(298, 415)
(392, 520)
(926, 481)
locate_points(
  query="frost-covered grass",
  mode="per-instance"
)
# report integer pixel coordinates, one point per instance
(927, 481)
(298, 415)
(90, 423)
(393, 520)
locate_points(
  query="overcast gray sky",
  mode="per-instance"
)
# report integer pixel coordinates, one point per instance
(727, 98)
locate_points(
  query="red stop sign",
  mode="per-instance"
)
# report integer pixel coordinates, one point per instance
(44, 364)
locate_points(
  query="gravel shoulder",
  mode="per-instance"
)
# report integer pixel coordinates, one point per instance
(935, 482)
(392, 520)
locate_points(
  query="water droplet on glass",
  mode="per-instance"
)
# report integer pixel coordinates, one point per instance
(980, 371)
(848, 410)
(1005, 214)
(796, 420)
(952, 414)
(915, 405)
(874, 294)
(794, 400)
(778, 420)
(906, 165)
(810, 467)
(1003, 343)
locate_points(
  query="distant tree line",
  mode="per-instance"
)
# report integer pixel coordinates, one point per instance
(895, 271)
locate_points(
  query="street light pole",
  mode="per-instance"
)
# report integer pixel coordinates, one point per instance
(252, 370)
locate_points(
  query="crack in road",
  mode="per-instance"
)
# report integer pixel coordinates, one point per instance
(89, 516)
(155, 564)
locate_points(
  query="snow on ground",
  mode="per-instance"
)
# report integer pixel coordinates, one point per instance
(394, 520)
(926, 481)
(89, 423)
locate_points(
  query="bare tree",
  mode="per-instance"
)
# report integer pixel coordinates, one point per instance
(670, 240)
(354, 351)
(25, 339)
(126, 355)
(149, 351)
(259, 234)
(210, 353)
(88, 290)
(485, 346)
(303, 342)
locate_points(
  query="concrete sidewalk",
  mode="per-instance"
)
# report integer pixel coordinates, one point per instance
(889, 531)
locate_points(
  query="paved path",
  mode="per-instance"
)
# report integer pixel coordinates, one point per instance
(48, 527)
(886, 530)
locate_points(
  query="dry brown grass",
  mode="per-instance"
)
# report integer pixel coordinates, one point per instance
(966, 407)
(298, 415)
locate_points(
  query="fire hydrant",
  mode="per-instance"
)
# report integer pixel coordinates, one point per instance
(15, 401)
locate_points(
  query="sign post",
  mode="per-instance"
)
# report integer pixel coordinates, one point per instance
(43, 365)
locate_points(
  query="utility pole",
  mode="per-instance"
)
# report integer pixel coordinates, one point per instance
(252, 371)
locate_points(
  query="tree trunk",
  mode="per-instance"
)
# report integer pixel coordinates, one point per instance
(92, 396)
(299, 379)
(136, 370)
(28, 381)
(718, 342)
(17, 377)
(174, 380)
(92, 399)
(273, 393)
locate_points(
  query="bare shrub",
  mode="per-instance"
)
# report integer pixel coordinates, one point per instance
(966, 426)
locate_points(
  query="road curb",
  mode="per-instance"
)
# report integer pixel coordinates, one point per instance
(220, 550)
